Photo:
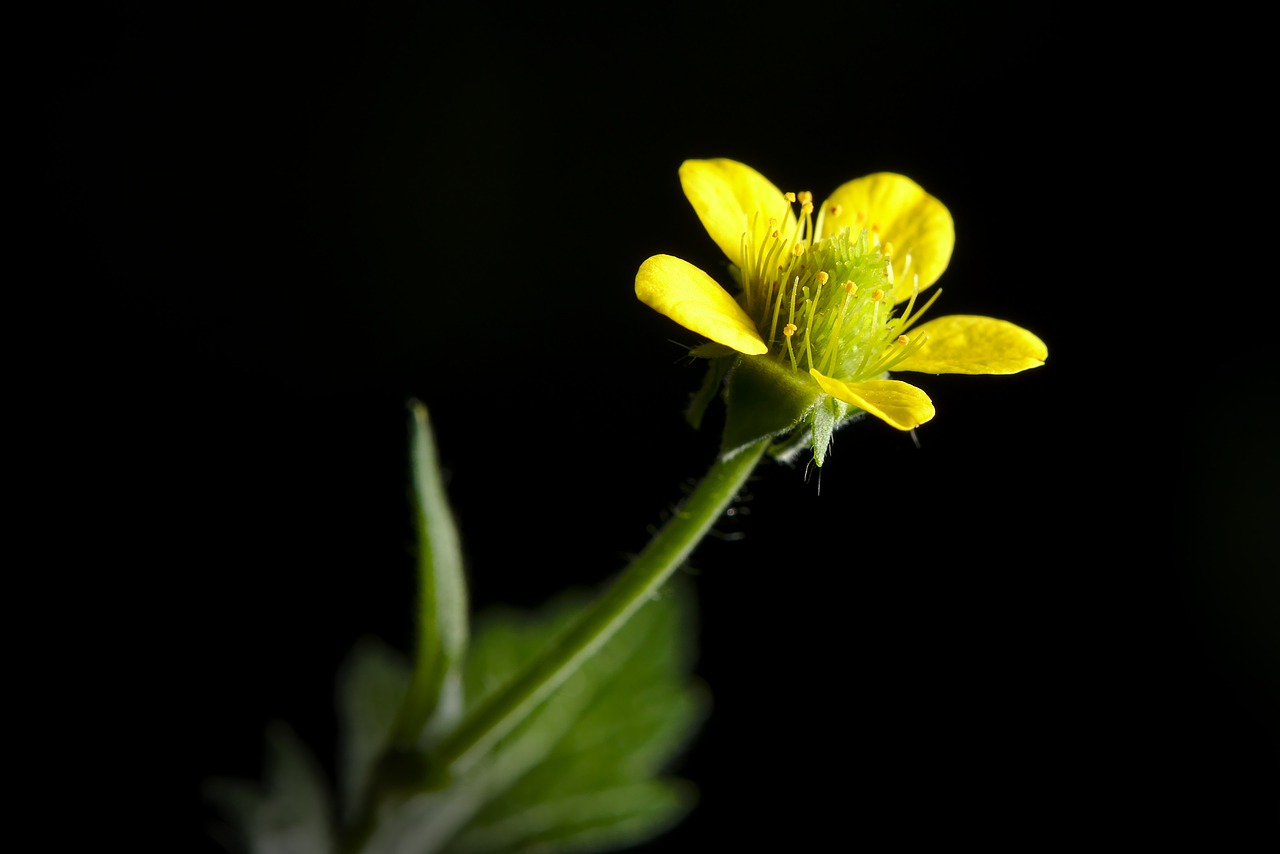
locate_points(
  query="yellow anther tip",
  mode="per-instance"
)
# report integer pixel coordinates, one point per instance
(790, 197)
(877, 295)
(789, 330)
(822, 277)
(903, 340)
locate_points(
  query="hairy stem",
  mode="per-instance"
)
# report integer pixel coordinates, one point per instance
(477, 732)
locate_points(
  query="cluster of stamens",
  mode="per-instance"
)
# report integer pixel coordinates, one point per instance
(847, 329)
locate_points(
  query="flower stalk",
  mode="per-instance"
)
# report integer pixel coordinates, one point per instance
(669, 548)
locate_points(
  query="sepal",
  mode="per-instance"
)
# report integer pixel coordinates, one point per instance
(764, 398)
(711, 384)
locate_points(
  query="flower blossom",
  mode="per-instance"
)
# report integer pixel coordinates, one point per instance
(828, 302)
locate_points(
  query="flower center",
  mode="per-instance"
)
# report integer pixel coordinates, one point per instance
(826, 304)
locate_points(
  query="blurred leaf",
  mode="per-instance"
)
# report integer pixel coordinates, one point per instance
(585, 771)
(442, 595)
(291, 813)
(589, 822)
(371, 686)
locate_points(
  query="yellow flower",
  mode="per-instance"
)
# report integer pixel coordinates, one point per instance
(828, 300)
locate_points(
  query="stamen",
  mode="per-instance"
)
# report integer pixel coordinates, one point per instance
(771, 260)
(914, 317)
(833, 340)
(906, 265)
(808, 326)
(756, 285)
(877, 296)
(791, 321)
(834, 210)
(777, 304)
(891, 357)
(784, 273)
(786, 220)
(787, 332)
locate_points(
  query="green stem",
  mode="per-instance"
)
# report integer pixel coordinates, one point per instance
(651, 568)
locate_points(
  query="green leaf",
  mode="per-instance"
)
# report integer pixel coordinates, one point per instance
(372, 684)
(601, 820)
(586, 770)
(291, 813)
(442, 597)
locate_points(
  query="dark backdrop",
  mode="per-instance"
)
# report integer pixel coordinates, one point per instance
(1053, 619)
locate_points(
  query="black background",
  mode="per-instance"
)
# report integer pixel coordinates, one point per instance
(1054, 619)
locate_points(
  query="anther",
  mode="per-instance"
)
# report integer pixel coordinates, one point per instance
(822, 277)
(877, 295)
(790, 197)
(797, 250)
(805, 197)
(903, 340)
(789, 329)
(850, 288)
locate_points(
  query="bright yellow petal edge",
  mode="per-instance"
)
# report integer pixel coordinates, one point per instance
(693, 299)
(726, 194)
(966, 344)
(901, 213)
(896, 403)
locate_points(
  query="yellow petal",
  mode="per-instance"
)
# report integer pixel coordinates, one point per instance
(902, 213)
(726, 195)
(965, 344)
(693, 299)
(896, 403)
